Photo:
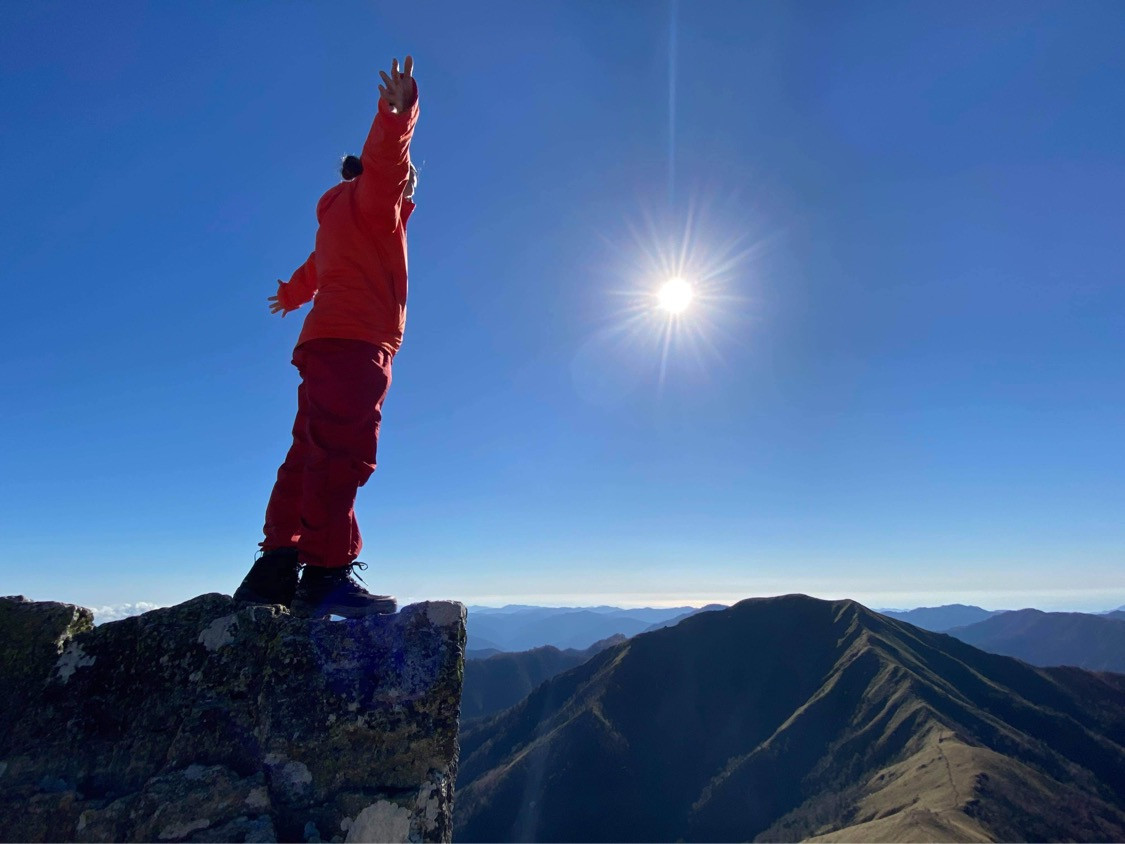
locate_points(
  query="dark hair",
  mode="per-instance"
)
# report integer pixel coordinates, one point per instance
(350, 167)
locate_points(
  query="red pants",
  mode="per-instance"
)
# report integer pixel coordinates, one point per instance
(339, 407)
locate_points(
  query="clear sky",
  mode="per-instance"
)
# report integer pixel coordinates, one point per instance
(902, 380)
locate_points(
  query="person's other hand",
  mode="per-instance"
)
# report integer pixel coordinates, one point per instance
(399, 89)
(276, 306)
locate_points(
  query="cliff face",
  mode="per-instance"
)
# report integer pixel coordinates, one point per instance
(214, 722)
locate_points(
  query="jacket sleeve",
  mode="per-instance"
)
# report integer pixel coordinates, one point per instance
(386, 162)
(301, 287)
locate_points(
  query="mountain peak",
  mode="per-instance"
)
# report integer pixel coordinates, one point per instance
(789, 717)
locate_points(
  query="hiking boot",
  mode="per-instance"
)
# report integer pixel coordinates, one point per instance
(272, 580)
(334, 591)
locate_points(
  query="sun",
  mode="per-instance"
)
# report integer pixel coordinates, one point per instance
(682, 277)
(675, 295)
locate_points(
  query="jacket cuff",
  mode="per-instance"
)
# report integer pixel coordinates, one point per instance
(403, 117)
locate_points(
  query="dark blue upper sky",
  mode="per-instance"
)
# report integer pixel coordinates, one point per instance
(903, 382)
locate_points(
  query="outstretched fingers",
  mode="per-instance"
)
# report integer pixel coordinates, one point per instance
(398, 88)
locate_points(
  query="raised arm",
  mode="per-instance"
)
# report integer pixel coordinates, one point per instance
(300, 289)
(386, 152)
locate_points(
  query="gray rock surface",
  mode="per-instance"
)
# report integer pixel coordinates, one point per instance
(209, 721)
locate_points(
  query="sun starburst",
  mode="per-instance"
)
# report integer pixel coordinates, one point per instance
(684, 286)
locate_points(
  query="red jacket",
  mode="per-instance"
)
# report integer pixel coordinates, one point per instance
(358, 269)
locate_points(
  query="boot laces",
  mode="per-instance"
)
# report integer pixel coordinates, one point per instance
(352, 571)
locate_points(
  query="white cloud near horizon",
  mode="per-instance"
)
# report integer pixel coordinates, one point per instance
(116, 612)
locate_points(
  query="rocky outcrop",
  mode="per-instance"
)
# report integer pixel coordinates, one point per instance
(210, 721)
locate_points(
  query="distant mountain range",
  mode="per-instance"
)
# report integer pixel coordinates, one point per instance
(792, 718)
(521, 628)
(1093, 642)
(649, 614)
(942, 618)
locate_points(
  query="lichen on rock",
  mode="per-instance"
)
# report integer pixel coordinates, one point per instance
(209, 721)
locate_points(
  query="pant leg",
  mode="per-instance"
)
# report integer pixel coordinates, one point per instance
(283, 512)
(346, 382)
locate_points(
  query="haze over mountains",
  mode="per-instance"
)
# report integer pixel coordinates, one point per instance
(787, 718)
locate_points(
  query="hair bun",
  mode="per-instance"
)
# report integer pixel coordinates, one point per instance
(350, 167)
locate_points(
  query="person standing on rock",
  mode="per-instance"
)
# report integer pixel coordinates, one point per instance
(350, 336)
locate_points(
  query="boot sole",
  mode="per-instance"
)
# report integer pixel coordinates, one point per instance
(306, 610)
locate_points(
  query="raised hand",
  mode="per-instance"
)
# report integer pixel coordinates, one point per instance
(399, 89)
(276, 306)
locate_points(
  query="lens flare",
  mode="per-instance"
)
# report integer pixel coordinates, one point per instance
(675, 295)
(685, 293)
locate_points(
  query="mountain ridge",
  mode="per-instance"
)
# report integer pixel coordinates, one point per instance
(777, 718)
(500, 680)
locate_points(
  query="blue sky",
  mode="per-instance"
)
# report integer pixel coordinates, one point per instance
(903, 380)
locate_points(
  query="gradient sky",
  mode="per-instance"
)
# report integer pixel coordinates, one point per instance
(904, 382)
